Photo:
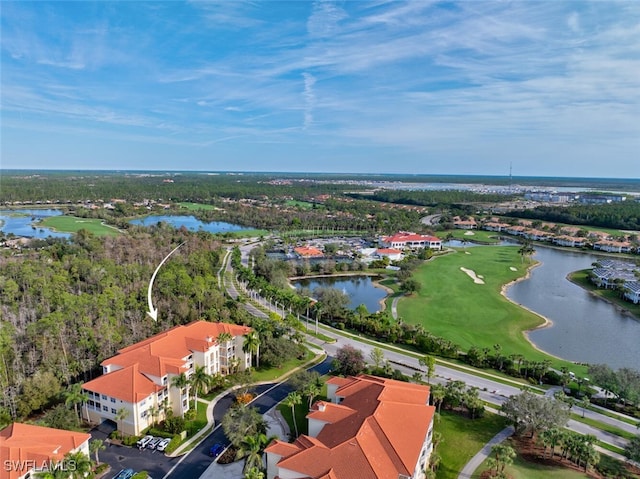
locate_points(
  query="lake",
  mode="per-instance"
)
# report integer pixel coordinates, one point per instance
(585, 328)
(25, 223)
(360, 289)
(189, 222)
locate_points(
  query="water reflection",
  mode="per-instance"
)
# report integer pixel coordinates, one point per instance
(585, 328)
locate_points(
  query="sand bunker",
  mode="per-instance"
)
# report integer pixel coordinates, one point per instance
(466, 252)
(513, 269)
(472, 274)
(469, 233)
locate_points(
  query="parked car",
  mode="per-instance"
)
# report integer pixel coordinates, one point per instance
(216, 450)
(162, 445)
(154, 442)
(124, 474)
(144, 441)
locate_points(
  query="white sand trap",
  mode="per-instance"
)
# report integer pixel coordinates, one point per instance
(469, 233)
(513, 269)
(466, 252)
(480, 276)
(472, 274)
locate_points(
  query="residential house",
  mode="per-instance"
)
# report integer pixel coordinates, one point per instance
(613, 246)
(566, 240)
(371, 428)
(632, 291)
(26, 449)
(137, 385)
(495, 226)
(405, 239)
(468, 224)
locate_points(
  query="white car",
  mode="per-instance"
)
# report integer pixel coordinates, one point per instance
(162, 445)
(144, 441)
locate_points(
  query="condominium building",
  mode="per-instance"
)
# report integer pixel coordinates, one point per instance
(371, 428)
(137, 386)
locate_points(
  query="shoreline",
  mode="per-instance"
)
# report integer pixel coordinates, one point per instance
(546, 322)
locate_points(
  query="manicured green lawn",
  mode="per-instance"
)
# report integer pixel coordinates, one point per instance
(72, 224)
(274, 373)
(452, 306)
(196, 206)
(305, 205)
(462, 439)
(480, 236)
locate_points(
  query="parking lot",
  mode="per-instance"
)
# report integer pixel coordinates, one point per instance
(124, 457)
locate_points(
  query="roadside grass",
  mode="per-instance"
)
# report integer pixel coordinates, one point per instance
(252, 233)
(462, 439)
(271, 374)
(452, 306)
(581, 278)
(602, 426)
(72, 224)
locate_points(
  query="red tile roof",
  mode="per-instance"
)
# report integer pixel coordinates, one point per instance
(377, 431)
(157, 356)
(127, 384)
(27, 445)
(308, 251)
(404, 237)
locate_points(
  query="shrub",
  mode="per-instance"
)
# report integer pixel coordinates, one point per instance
(173, 444)
(130, 440)
(140, 475)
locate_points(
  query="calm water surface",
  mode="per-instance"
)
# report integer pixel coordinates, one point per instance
(189, 222)
(360, 289)
(25, 223)
(585, 329)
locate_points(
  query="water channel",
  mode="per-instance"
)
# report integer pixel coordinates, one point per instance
(584, 328)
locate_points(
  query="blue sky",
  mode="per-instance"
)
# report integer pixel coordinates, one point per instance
(551, 87)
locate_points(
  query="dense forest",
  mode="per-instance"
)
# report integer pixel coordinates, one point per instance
(624, 215)
(66, 306)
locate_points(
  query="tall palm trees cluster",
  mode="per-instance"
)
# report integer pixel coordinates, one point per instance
(577, 448)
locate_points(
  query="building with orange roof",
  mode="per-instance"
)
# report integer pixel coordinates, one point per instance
(308, 252)
(405, 239)
(26, 449)
(139, 379)
(371, 428)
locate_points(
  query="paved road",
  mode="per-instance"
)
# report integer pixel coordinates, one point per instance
(193, 464)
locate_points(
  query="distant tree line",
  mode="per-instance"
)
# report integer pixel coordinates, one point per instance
(623, 215)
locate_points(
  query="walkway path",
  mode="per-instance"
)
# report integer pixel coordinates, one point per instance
(471, 466)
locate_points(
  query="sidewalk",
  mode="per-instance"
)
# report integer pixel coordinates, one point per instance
(471, 466)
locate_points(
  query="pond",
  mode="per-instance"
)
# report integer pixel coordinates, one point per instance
(360, 289)
(189, 222)
(584, 328)
(25, 223)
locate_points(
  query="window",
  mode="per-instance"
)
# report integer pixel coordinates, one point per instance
(104, 396)
(105, 408)
(144, 414)
(113, 410)
(113, 400)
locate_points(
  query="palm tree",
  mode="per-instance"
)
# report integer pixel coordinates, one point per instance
(181, 381)
(199, 381)
(75, 395)
(78, 465)
(121, 415)
(96, 446)
(154, 412)
(311, 390)
(526, 250)
(251, 448)
(438, 393)
(253, 473)
(292, 399)
(251, 345)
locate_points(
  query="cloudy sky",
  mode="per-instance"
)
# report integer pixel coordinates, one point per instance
(549, 87)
